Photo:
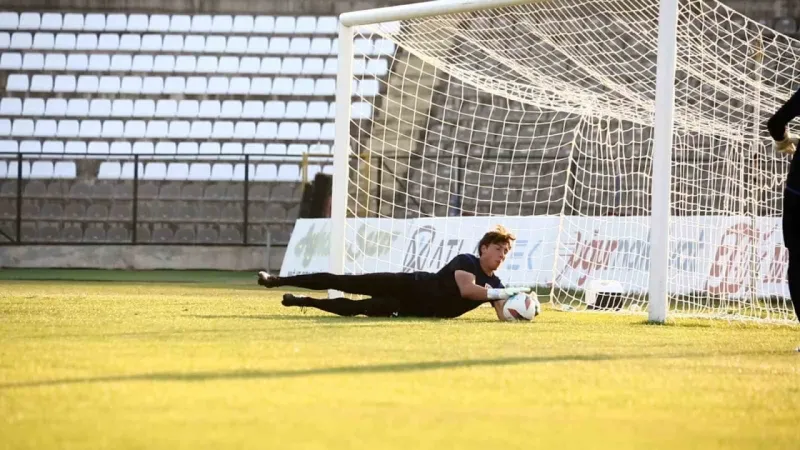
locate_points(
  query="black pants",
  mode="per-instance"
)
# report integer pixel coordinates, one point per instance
(791, 239)
(393, 294)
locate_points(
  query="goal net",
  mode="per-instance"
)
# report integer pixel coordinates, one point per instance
(540, 116)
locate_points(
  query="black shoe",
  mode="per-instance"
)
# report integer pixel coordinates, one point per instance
(292, 300)
(267, 280)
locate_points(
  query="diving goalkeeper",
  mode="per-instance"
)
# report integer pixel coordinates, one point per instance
(785, 143)
(462, 285)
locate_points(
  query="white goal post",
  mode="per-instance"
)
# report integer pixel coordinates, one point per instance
(622, 140)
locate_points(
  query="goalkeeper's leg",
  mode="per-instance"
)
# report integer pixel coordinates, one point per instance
(791, 239)
(371, 307)
(374, 284)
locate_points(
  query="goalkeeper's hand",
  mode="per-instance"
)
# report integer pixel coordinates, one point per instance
(505, 293)
(787, 146)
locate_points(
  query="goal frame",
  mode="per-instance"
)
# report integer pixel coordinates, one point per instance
(663, 130)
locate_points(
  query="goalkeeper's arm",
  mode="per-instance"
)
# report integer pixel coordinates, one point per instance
(778, 122)
(469, 290)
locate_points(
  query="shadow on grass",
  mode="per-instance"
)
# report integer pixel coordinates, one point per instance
(322, 319)
(350, 370)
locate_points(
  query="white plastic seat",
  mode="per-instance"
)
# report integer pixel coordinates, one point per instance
(43, 128)
(33, 146)
(228, 64)
(11, 106)
(97, 148)
(17, 82)
(278, 46)
(285, 25)
(179, 129)
(160, 23)
(264, 25)
(130, 42)
(241, 25)
(41, 170)
(249, 64)
(188, 108)
(319, 149)
(117, 22)
(377, 67)
(194, 43)
(50, 21)
(331, 67)
(222, 130)
(274, 109)
(55, 107)
(270, 65)
(288, 172)
(215, 44)
(288, 130)
(109, 170)
(55, 61)
(64, 170)
(99, 63)
(305, 25)
(231, 109)
(166, 108)
(209, 148)
(44, 41)
(206, 64)
(282, 86)
(320, 46)
(261, 86)
(75, 147)
(221, 24)
(157, 129)
(185, 63)
(236, 44)
(155, 171)
(112, 129)
(328, 131)
(179, 24)
(129, 169)
(152, 85)
(297, 149)
(201, 24)
(231, 148)
(253, 149)
(163, 63)
(174, 85)
(327, 25)
(142, 63)
(367, 88)
(209, 109)
(200, 130)
(199, 172)
(309, 131)
(52, 147)
(131, 85)
(187, 148)
(108, 85)
(266, 172)
(137, 23)
(244, 130)
(99, 107)
(361, 110)
(121, 63)
(21, 41)
(68, 128)
(32, 107)
(252, 109)
(124, 148)
(221, 172)
(172, 43)
(5, 127)
(94, 22)
(295, 110)
(108, 42)
(312, 66)
(10, 61)
(303, 86)
(77, 62)
(325, 86)
(239, 86)
(257, 45)
(7, 146)
(139, 108)
(77, 107)
(383, 47)
(142, 148)
(300, 46)
(359, 67)
(86, 42)
(362, 47)
(165, 148)
(266, 130)
(29, 21)
(332, 110)
(134, 129)
(41, 83)
(317, 110)
(90, 129)
(335, 46)
(291, 66)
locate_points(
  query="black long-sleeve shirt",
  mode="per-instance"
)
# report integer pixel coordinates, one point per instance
(777, 129)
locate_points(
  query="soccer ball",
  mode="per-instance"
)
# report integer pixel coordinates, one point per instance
(522, 307)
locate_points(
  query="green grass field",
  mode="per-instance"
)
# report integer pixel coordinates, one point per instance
(209, 360)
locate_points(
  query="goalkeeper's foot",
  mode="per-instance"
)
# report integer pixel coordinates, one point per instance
(294, 300)
(267, 280)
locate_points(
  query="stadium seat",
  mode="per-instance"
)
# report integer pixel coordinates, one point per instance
(222, 130)
(222, 24)
(253, 149)
(43, 41)
(278, 46)
(266, 172)
(49, 21)
(196, 85)
(249, 64)
(206, 64)
(235, 44)
(299, 46)
(41, 170)
(291, 66)
(98, 148)
(264, 25)
(178, 129)
(10, 61)
(41, 83)
(117, 22)
(64, 170)
(288, 172)
(325, 86)
(244, 130)
(217, 86)
(121, 63)
(31, 146)
(178, 24)
(187, 148)
(209, 109)
(188, 109)
(131, 85)
(317, 110)
(200, 130)
(231, 148)
(17, 82)
(259, 86)
(303, 87)
(309, 131)
(185, 63)
(127, 170)
(152, 85)
(367, 88)
(177, 171)
(108, 42)
(155, 171)
(270, 65)
(90, 129)
(172, 43)
(295, 110)
(209, 148)
(55, 61)
(86, 42)
(11, 106)
(129, 108)
(33, 61)
(163, 63)
(298, 149)
(53, 147)
(142, 148)
(99, 107)
(21, 41)
(120, 148)
(215, 44)
(305, 25)
(194, 44)
(165, 148)
(239, 86)
(108, 85)
(94, 22)
(312, 66)
(274, 109)
(257, 45)
(174, 85)
(252, 109)
(150, 43)
(241, 25)
(327, 25)
(130, 43)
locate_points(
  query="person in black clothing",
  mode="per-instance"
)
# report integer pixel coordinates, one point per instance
(462, 285)
(784, 143)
